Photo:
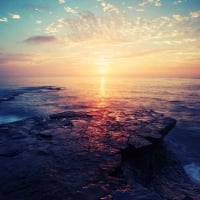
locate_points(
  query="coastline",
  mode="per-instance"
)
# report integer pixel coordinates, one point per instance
(96, 154)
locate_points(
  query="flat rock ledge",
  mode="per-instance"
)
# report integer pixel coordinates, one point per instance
(89, 155)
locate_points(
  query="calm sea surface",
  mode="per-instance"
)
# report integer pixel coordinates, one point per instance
(179, 98)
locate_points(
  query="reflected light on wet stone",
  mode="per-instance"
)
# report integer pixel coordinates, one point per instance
(81, 152)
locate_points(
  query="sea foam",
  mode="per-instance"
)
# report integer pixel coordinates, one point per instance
(9, 118)
(193, 171)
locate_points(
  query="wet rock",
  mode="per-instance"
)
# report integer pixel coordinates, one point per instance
(45, 135)
(69, 114)
(10, 152)
(136, 142)
(81, 155)
(137, 193)
(92, 191)
(13, 95)
(170, 180)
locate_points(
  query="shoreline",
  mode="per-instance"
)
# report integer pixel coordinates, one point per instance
(91, 155)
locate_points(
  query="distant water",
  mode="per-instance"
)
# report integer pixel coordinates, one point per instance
(178, 98)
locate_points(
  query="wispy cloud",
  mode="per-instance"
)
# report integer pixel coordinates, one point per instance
(178, 1)
(139, 10)
(40, 39)
(117, 31)
(55, 27)
(15, 64)
(180, 18)
(108, 7)
(8, 57)
(61, 1)
(4, 19)
(70, 10)
(38, 21)
(195, 14)
(156, 3)
(15, 16)
(87, 26)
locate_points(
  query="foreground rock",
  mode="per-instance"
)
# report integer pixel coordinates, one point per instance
(90, 155)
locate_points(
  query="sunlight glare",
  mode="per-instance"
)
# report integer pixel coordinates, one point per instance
(103, 71)
(103, 64)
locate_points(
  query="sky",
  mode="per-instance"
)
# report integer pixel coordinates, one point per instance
(91, 37)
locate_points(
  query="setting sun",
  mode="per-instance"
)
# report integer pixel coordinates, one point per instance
(103, 71)
(103, 65)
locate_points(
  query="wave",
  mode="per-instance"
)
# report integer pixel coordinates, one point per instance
(8, 95)
(193, 171)
(4, 119)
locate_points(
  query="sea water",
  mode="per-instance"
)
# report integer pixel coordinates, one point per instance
(175, 97)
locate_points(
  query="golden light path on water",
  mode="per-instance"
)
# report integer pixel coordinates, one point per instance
(102, 92)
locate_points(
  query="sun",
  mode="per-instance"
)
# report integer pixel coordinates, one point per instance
(103, 65)
(103, 71)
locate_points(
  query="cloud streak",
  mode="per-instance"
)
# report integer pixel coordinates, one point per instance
(40, 39)
(4, 19)
(180, 18)
(108, 7)
(38, 21)
(195, 14)
(15, 16)
(6, 58)
(70, 10)
(61, 1)
(156, 3)
(178, 1)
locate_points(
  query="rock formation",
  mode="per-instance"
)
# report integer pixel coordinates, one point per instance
(97, 154)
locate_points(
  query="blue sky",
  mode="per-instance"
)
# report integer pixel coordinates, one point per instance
(76, 35)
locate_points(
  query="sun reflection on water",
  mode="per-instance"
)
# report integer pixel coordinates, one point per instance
(102, 92)
(102, 87)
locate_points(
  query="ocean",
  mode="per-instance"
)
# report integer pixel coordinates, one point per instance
(21, 98)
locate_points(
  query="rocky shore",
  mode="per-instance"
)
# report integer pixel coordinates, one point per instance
(91, 155)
